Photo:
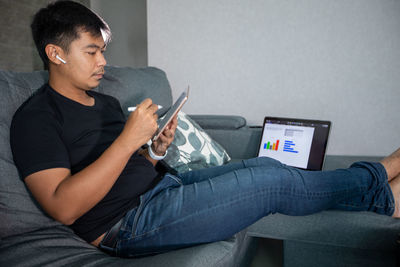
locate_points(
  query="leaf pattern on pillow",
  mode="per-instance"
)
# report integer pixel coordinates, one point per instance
(194, 141)
(183, 124)
(180, 139)
(193, 148)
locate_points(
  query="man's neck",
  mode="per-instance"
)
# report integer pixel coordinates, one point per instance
(69, 91)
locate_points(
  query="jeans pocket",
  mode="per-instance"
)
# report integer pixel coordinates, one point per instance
(168, 181)
(132, 217)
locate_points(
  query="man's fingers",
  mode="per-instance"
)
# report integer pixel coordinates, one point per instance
(168, 133)
(162, 139)
(146, 103)
(174, 123)
(153, 108)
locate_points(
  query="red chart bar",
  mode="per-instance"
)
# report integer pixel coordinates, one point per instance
(277, 144)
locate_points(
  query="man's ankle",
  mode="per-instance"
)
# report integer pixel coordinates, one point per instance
(391, 164)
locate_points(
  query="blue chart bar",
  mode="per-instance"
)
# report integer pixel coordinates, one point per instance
(288, 147)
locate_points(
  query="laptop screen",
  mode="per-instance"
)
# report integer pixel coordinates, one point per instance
(295, 142)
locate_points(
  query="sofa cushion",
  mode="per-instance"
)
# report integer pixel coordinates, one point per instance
(362, 230)
(59, 247)
(19, 212)
(301, 254)
(132, 85)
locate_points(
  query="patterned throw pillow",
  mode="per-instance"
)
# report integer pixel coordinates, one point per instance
(193, 148)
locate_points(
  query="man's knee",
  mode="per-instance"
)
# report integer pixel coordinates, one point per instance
(261, 161)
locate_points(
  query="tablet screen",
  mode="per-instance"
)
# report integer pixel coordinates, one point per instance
(163, 122)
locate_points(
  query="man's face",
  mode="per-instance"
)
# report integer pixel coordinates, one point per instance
(85, 61)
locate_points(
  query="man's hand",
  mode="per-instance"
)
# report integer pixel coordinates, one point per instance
(161, 145)
(165, 139)
(141, 125)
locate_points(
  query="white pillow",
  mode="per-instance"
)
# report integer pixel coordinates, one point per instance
(193, 148)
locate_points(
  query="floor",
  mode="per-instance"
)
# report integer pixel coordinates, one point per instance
(269, 253)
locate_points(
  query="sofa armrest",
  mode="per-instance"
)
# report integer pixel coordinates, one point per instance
(241, 143)
(232, 133)
(360, 230)
(219, 121)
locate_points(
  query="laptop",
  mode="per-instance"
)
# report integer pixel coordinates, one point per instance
(298, 143)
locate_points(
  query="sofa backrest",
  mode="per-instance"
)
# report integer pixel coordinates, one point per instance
(19, 212)
(131, 86)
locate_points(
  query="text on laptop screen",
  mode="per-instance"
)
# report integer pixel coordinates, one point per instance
(298, 143)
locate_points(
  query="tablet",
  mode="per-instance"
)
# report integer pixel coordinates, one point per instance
(163, 122)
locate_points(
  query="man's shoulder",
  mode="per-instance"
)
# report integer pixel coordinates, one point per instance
(38, 103)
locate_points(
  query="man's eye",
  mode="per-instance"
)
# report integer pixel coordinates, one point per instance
(92, 53)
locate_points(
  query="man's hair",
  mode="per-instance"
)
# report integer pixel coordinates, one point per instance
(61, 22)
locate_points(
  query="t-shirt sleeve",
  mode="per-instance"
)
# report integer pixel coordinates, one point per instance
(36, 143)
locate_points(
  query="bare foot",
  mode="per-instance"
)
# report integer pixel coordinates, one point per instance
(395, 186)
(392, 164)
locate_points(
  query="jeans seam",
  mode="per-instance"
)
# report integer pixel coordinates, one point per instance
(245, 195)
(175, 178)
(263, 191)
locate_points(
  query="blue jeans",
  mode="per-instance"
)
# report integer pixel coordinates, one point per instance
(213, 204)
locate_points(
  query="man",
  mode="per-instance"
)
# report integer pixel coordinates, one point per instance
(67, 195)
(85, 164)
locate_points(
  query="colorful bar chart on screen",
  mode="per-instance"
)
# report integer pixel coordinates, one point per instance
(271, 146)
(288, 147)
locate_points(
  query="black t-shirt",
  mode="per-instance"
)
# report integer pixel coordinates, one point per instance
(52, 131)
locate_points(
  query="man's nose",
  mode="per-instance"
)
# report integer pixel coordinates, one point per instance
(101, 60)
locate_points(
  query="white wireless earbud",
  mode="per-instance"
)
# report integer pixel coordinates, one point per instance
(62, 60)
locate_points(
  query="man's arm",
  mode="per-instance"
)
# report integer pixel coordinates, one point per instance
(67, 197)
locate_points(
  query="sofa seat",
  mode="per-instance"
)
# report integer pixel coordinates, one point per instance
(58, 246)
(333, 237)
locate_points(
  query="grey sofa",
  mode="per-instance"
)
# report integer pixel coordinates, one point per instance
(28, 237)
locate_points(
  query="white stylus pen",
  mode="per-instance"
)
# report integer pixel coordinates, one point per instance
(132, 109)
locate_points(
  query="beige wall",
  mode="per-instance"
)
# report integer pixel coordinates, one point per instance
(319, 59)
(128, 22)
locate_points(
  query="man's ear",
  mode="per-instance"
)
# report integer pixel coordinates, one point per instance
(52, 51)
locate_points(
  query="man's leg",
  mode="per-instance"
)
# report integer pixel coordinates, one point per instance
(203, 174)
(395, 187)
(392, 164)
(360, 203)
(216, 208)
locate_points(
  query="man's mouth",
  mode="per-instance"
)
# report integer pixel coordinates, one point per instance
(99, 75)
